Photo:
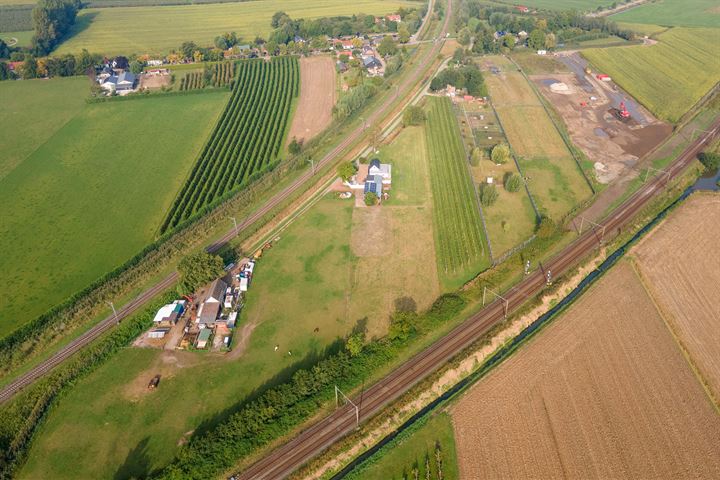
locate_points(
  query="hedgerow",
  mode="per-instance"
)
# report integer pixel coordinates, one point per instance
(246, 139)
(280, 409)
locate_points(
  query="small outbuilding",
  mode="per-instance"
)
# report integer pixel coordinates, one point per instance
(203, 338)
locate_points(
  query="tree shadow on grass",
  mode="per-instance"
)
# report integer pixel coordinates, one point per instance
(281, 377)
(136, 464)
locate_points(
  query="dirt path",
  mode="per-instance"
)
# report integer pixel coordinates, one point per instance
(317, 97)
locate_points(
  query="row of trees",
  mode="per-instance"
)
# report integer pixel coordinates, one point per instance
(192, 81)
(52, 19)
(279, 409)
(247, 138)
(466, 76)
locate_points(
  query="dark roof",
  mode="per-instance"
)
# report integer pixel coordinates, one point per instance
(374, 184)
(375, 162)
(209, 313)
(371, 62)
(215, 290)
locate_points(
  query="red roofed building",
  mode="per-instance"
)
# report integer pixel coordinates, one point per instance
(394, 18)
(523, 9)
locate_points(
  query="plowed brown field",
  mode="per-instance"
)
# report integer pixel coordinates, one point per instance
(680, 266)
(603, 392)
(317, 98)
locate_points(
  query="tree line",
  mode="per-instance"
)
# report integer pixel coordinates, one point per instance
(465, 76)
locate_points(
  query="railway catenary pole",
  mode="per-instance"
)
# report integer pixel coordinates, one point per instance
(357, 409)
(236, 225)
(505, 301)
(594, 225)
(115, 315)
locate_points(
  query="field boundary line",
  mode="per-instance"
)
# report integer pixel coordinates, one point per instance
(560, 132)
(514, 157)
(667, 317)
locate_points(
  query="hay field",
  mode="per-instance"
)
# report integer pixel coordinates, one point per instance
(685, 13)
(125, 30)
(685, 281)
(603, 392)
(668, 78)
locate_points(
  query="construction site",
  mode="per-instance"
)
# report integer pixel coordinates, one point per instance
(613, 130)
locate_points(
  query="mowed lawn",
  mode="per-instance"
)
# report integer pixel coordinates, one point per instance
(554, 178)
(32, 111)
(684, 13)
(459, 237)
(159, 29)
(669, 77)
(93, 195)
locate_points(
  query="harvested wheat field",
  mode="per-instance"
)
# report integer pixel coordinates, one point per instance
(317, 98)
(680, 266)
(603, 392)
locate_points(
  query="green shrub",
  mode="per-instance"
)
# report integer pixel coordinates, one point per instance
(488, 194)
(512, 182)
(500, 153)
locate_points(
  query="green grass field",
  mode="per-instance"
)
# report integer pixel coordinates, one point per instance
(23, 38)
(32, 111)
(683, 13)
(581, 5)
(322, 273)
(91, 195)
(414, 448)
(669, 77)
(459, 237)
(642, 28)
(147, 29)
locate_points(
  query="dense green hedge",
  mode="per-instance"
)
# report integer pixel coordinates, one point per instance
(280, 409)
(21, 418)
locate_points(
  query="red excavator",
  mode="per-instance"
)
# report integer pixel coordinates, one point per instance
(622, 112)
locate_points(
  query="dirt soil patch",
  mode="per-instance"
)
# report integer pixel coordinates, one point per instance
(680, 266)
(154, 82)
(603, 392)
(588, 108)
(370, 232)
(166, 364)
(317, 97)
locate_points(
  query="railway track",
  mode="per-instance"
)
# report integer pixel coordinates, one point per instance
(405, 88)
(312, 441)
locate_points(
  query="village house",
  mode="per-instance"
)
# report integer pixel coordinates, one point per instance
(373, 183)
(124, 82)
(383, 170)
(373, 66)
(394, 18)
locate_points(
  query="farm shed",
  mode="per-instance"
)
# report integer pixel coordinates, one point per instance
(169, 313)
(208, 313)
(203, 337)
(158, 332)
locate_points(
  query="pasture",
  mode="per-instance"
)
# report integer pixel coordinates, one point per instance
(33, 110)
(87, 199)
(668, 78)
(459, 237)
(124, 30)
(554, 179)
(323, 273)
(601, 392)
(248, 137)
(23, 38)
(682, 13)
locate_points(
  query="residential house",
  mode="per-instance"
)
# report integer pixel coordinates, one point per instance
(124, 82)
(341, 66)
(373, 183)
(394, 18)
(384, 170)
(155, 63)
(373, 66)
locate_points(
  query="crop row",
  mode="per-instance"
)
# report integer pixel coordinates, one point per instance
(455, 208)
(192, 81)
(246, 139)
(222, 73)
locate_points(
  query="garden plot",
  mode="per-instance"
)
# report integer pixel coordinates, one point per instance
(511, 219)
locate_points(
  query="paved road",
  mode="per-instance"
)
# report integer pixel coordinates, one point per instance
(321, 435)
(405, 88)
